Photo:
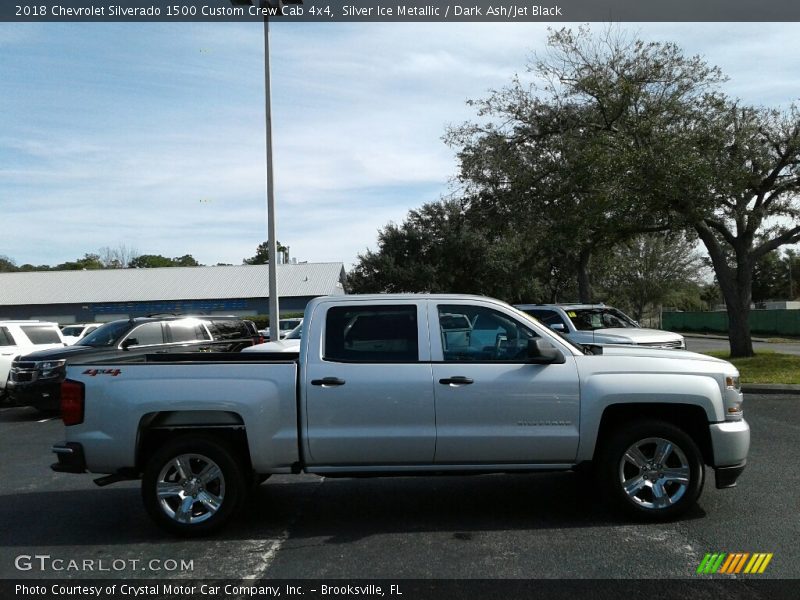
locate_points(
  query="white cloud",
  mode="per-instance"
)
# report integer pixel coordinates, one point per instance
(152, 135)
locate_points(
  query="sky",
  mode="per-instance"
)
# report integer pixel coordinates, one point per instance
(151, 136)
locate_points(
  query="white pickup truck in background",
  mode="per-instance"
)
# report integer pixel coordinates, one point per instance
(406, 384)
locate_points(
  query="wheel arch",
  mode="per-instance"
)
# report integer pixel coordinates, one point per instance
(157, 428)
(691, 418)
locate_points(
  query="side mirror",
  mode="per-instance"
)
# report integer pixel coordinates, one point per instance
(540, 352)
(129, 342)
(557, 327)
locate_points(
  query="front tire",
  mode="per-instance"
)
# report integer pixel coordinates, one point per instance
(192, 485)
(652, 470)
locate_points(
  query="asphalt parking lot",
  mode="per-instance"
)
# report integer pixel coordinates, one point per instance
(498, 526)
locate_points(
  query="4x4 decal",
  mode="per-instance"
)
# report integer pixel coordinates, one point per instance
(95, 372)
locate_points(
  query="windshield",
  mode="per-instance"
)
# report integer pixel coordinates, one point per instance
(589, 319)
(295, 334)
(106, 335)
(74, 330)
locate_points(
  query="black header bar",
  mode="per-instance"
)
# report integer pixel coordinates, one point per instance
(407, 11)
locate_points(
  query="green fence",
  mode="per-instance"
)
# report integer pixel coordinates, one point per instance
(774, 322)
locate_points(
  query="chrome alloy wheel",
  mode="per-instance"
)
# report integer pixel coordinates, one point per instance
(190, 488)
(654, 473)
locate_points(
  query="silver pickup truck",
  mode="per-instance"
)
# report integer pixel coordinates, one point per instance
(406, 384)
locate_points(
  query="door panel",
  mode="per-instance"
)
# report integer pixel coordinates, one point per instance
(510, 413)
(369, 399)
(382, 414)
(504, 410)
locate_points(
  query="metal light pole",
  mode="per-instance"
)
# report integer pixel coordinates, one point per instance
(272, 240)
(274, 311)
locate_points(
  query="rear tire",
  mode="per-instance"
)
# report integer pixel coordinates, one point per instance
(651, 470)
(193, 485)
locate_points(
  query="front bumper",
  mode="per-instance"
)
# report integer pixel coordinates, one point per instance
(730, 442)
(70, 458)
(725, 477)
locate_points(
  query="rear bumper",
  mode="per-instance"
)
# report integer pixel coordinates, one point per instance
(70, 458)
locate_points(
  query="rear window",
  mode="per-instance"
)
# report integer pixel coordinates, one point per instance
(371, 334)
(41, 334)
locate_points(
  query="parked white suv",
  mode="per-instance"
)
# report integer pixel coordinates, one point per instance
(72, 333)
(600, 324)
(18, 338)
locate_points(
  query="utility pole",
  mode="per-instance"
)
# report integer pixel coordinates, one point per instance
(272, 239)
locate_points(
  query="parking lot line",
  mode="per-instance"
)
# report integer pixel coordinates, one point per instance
(268, 555)
(46, 420)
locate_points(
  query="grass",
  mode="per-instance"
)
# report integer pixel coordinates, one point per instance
(765, 367)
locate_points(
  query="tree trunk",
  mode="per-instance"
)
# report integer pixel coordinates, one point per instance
(584, 278)
(739, 331)
(737, 290)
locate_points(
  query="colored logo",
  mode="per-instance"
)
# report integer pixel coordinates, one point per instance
(735, 563)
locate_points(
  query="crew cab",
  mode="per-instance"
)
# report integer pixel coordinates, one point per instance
(406, 384)
(35, 378)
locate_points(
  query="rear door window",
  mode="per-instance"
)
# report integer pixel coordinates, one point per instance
(547, 317)
(372, 334)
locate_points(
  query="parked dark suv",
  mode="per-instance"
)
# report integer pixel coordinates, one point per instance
(36, 377)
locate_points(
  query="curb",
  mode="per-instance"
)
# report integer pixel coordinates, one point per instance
(771, 388)
(709, 336)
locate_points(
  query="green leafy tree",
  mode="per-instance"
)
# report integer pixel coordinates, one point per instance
(88, 262)
(151, 261)
(569, 155)
(440, 248)
(261, 257)
(648, 141)
(187, 260)
(7, 265)
(643, 272)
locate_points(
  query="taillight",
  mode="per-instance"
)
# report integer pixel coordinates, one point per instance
(72, 394)
(259, 340)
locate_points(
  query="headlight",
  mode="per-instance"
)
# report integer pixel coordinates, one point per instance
(51, 368)
(733, 398)
(732, 382)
